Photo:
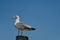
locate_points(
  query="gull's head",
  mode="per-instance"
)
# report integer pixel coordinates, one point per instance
(16, 17)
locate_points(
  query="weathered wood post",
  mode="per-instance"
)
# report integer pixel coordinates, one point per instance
(22, 38)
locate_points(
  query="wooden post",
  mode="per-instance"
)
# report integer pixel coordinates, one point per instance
(21, 38)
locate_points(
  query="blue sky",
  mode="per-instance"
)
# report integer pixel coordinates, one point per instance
(44, 15)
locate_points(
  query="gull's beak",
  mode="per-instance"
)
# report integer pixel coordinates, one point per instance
(13, 17)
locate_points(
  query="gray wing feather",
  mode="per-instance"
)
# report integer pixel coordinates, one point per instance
(19, 25)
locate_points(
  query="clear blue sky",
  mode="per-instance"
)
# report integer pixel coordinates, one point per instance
(44, 15)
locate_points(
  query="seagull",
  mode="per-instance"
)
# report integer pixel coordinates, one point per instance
(20, 26)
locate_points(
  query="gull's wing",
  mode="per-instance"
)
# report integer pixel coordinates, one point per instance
(22, 26)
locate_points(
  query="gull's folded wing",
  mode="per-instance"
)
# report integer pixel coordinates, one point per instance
(22, 26)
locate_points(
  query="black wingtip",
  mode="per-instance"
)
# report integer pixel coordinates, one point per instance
(33, 29)
(30, 29)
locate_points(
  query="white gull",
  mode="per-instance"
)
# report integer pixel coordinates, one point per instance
(21, 26)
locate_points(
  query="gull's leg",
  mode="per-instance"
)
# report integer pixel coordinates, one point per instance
(21, 33)
(18, 32)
